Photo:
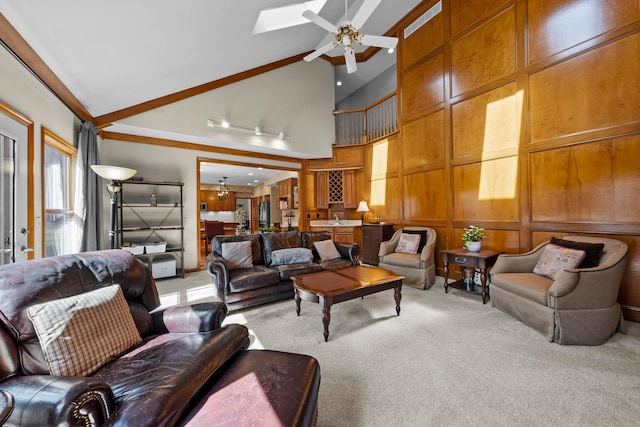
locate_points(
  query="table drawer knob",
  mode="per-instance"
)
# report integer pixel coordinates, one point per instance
(460, 260)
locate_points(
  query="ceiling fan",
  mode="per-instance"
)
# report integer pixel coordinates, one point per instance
(347, 32)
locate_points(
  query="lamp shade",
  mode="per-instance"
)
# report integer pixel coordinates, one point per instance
(362, 207)
(114, 173)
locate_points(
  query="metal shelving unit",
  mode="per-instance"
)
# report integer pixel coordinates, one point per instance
(142, 222)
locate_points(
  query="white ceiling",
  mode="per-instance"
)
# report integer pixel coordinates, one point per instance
(251, 176)
(119, 53)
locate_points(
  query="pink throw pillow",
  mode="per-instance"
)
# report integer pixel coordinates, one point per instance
(408, 243)
(555, 259)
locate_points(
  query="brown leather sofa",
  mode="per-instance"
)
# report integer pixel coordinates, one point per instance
(266, 282)
(184, 370)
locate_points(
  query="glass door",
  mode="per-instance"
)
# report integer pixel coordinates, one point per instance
(7, 205)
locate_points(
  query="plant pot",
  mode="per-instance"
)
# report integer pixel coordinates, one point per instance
(474, 246)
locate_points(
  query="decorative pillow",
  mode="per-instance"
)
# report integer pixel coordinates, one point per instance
(327, 250)
(593, 251)
(80, 333)
(423, 237)
(237, 255)
(555, 259)
(291, 256)
(408, 243)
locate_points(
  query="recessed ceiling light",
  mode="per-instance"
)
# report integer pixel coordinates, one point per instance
(255, 180)
(250, 173)
(391, 50)
(338, 83)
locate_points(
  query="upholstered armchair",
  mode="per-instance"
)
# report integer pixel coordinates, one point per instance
(579, 305)
(419, 267)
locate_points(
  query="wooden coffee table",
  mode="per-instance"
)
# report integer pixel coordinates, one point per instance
(331, 287)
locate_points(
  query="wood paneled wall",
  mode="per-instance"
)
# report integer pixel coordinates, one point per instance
(519, 116)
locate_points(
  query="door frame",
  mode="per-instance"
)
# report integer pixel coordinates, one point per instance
(28, 123)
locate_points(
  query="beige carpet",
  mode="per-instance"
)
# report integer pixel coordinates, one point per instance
(447, 360)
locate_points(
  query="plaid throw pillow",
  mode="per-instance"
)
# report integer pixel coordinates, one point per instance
(79, 334)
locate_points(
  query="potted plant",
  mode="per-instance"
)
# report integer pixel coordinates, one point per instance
(241, 216)
(472, 238)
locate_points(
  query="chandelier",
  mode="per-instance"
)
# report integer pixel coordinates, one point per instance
(223, 191)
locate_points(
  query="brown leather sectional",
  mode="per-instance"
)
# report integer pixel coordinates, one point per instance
(266, 282)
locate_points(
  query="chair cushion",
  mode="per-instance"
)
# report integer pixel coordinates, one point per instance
(291, 256)
(527, 285)
(593, 251)
(408, 243)
(237, 255)
(80, 333)
(555, 259)
(327, 250)
(423, 236)
(402, 260)
(255, 277)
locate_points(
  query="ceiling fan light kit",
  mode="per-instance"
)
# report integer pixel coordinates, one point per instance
(348, 32)
(256, 131)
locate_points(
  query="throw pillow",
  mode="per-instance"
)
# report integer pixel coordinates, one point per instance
(80, 333)
(555, 259)
(423, 237)
(291, 256)
(593, 251)
(408, 243)
(327, 250)
(237, 255)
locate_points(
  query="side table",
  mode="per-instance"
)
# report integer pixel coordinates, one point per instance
(482, 260)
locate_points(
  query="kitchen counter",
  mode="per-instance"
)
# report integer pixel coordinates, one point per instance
(330, 223)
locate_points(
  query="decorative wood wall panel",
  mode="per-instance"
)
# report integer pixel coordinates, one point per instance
(595, 182)
(466, 12)
(423, 87)
(486, 191)
(423, 143)
(424, 40)
(557, 25)
(536, 135)
(425, 196)
(593, 91)
(484, 55)
(488, 123)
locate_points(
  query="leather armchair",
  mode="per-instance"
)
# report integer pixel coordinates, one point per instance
(579, 307)
(419, 269)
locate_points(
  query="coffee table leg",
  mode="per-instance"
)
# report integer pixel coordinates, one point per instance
(398, 296)
(326, 318)
(297, 298)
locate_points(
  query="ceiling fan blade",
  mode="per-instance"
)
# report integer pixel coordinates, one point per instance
(379, 41)
(319, 21)
(364, 13)
(320, 51)
(350, 59)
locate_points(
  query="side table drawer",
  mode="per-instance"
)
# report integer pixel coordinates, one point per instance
(467, 261)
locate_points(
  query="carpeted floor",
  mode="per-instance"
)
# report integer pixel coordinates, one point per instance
(447, 360)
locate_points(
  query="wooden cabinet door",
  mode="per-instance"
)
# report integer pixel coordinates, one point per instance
(212, 201)
(322, 190)
(349, 189)
(343, 234)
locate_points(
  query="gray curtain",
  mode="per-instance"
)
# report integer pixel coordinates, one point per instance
(88, 192)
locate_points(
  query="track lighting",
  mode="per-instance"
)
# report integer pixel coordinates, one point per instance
(256, 131)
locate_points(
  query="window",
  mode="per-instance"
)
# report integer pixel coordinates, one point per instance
(58, 162)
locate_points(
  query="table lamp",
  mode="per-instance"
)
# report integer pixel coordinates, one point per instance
(362, 207)
(116, 175)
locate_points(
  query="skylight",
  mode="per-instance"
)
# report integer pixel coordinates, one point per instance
(286, 16)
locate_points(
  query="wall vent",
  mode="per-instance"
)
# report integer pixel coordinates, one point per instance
(423, 19)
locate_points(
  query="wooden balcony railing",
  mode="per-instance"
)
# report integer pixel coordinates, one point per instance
(364, 125)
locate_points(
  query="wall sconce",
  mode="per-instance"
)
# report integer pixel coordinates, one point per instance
(116, 175)
(256, 131)
(362, 207)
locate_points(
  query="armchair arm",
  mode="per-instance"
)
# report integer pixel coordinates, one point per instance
(518, 263)
(389, 246)
(348, 251)
(41, 400)
(202, 317)
(426, 256)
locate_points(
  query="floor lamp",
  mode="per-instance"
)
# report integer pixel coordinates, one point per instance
(116, 175)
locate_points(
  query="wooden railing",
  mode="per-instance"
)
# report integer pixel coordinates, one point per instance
(363, 125)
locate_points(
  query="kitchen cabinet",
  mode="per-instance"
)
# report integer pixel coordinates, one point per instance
(337, 186)
(341, 234)
(215, 204)
(286, 194)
